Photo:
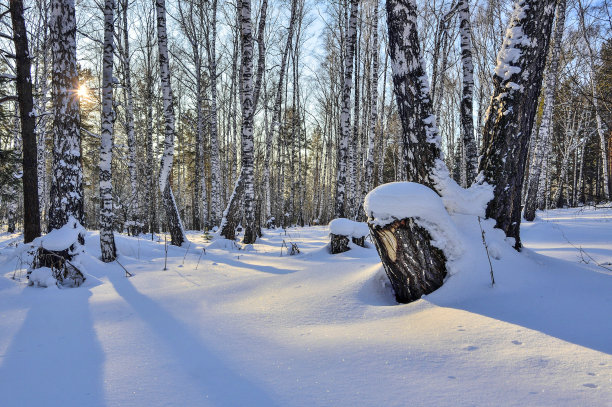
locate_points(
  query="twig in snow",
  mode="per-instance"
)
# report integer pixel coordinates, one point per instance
(186, 251)
(484, 242)
(127, 273)
(203, 252)
(165, 251)
(583, 252)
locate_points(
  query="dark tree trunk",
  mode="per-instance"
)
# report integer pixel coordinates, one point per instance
(413, 265)
(516, 82)
(31, 214)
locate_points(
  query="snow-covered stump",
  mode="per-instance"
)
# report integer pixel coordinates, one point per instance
(414, 266)
(338, 243)
(414, 237)
(340, 234)
(360, 232)
(55, 253)
(342, 231)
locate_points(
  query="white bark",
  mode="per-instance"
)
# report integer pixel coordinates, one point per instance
(107, 239)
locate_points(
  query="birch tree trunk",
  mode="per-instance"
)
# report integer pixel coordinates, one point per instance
(134, 211)
(517, 82)
(107, 239)
(246, 94)
(173, 219)
(414, 266)
(542, 146)
(276, 113)
(469, 151)
(67, 177)
(31, 212)
(215, 170)
(345, 115)
(369, 168)
(595, 97)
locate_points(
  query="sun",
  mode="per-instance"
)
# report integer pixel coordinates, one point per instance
(83, 92)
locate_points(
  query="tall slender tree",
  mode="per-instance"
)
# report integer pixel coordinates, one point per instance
(107, 238)
(173, 218)
(246, 96)
(345, 116)
(27, 115)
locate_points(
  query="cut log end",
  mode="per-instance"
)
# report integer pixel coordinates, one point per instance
(414, 266)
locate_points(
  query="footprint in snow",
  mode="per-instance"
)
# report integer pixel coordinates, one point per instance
(517, 342)
(590, 385)
(471, 348)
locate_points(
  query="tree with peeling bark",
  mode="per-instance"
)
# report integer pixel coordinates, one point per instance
(107, 238)
(517, 82)
(173, 218)
(67, 170)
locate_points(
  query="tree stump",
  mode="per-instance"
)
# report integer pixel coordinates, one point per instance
(413, 265)
(359, 241)
(338, 243)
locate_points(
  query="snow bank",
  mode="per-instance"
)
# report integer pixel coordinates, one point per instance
(400, 200)
(42, 277)
(347, 227)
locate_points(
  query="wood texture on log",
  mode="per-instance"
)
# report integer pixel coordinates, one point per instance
(338, 243)
(414, 266)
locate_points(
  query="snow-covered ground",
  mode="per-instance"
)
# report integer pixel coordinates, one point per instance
(252, 328)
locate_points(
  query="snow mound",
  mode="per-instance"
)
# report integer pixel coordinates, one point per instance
(347, 227)
(400, 200)
(64, 237)
(361, 230)
(470, 201)
(42, 277)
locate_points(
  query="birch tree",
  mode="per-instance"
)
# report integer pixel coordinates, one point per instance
(107, 239)
(595, 102)
(246, 94)
(517, 81)
(67, 176)
(469, 151)
(173, 219)
(345, 116)
(542, 146)
(215, 168)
